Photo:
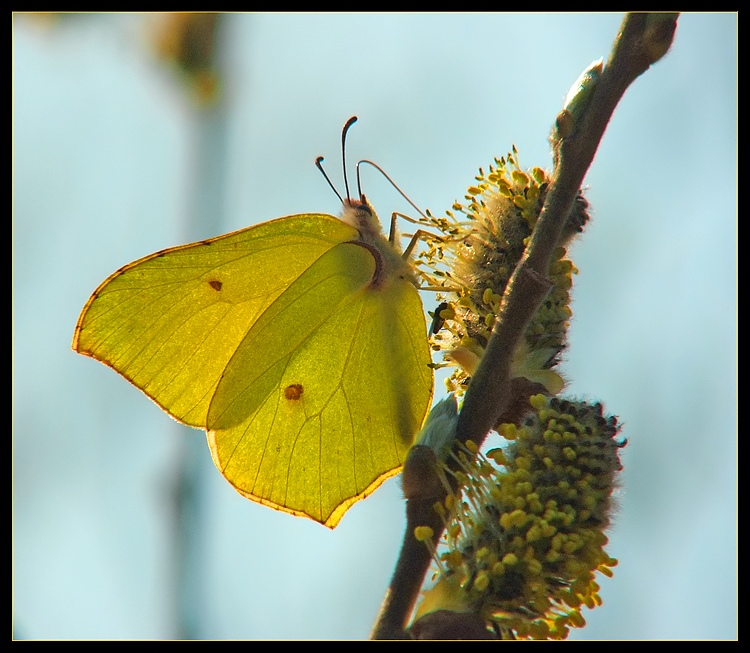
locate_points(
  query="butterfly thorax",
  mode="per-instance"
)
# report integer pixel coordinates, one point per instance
(389, 260)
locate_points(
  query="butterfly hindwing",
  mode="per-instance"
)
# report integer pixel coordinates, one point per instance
(322, 422)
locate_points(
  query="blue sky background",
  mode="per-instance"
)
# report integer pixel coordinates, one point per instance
(111, 162)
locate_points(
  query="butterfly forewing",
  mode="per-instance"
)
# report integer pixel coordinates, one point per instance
(348, 392)
(170, 322)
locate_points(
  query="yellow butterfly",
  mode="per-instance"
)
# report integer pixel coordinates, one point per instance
(298, 344)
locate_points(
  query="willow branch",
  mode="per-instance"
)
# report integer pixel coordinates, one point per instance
(642, 40)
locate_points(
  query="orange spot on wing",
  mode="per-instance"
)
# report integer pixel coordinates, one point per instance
(294, 392)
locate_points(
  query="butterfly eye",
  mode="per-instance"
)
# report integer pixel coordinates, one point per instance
(364, 206)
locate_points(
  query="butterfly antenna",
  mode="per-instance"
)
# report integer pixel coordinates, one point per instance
(393, 183)
(319, 163)
(344, 131)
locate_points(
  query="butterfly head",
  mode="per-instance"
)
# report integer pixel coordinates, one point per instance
(360, 215)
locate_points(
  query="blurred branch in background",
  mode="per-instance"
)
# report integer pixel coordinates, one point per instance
(191, 44)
